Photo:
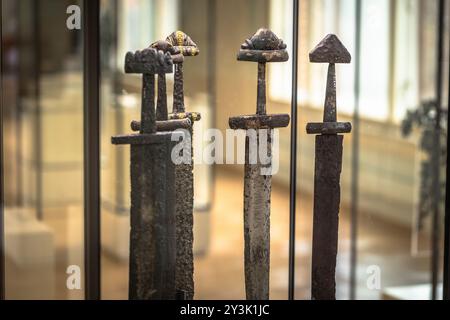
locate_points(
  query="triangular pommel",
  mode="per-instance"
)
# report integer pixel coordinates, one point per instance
(330, 50)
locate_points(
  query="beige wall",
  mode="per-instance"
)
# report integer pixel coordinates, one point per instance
(389, 174)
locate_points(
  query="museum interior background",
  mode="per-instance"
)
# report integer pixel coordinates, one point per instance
(43, 140)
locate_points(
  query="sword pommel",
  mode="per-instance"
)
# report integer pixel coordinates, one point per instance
(148, 61)
(264, 46)
(330, 50)
(184, 43)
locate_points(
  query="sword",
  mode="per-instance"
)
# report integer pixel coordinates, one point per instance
(180, 45)
(263, 47)
(328, 166)
(152, 234)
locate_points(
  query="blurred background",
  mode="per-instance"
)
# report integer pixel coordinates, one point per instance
(387, 179)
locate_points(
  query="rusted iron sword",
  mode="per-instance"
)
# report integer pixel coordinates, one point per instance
(328, 166)
(152, 235)
(263, 47)
(180, 45)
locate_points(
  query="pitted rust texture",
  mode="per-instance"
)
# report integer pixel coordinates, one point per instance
(184, 175)
(257, 189)
(270, 121)
(326, 215)
(330, 50)
(184, 277)
(184, 44)
(148, 61)
(328, 166)
(262, 47)
(162, 126)
(177, 57)
(328, 127)
(153, 240)
(153, 213)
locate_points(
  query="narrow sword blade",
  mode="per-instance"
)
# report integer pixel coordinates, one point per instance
(326, 216)
(257, 189)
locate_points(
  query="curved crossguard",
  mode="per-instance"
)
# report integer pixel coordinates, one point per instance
(330, 50)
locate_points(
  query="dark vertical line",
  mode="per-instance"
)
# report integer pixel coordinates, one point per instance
(120, 153)
(446, 284)
(212, 71)
(2, 203)
(37, 106)
(355, 156)
(436, 236)
(19, 109)
(293, 160)
(91, 137)
(392, 50)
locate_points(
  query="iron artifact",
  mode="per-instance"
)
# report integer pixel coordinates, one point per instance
(328, 166)
(262, 48)
(180, 45)
(152, 235)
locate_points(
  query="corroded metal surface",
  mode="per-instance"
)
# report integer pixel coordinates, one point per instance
(187, 47)
(161, 126)
(152, 240)
(330, 50)
(184, 175)
(326, 216)
(328, 166)
(259, 121)
(257, 189)
(261, 48)
(153, 216)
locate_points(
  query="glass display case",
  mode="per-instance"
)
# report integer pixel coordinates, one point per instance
(66, 187)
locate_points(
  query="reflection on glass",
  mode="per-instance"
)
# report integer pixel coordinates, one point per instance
(43, 101)
(43, 135)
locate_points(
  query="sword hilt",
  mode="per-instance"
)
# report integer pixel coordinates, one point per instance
(148, 62)
(188, 48)
(330, 50)
(263, 47)
(177, 57)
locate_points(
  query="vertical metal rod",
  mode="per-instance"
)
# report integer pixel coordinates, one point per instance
(355, 156)
(261, 95)
(446, 277)
(211, 86)
(37, 113)
(91, 148)
(293, 159)
(2, 219)
(436, 232)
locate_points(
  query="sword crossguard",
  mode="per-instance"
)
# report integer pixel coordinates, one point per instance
(330, 50)
(263, 47)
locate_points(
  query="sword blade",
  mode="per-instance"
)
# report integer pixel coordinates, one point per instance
(257, 189)
(185, 228)
(328, 168)
(152, 235)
